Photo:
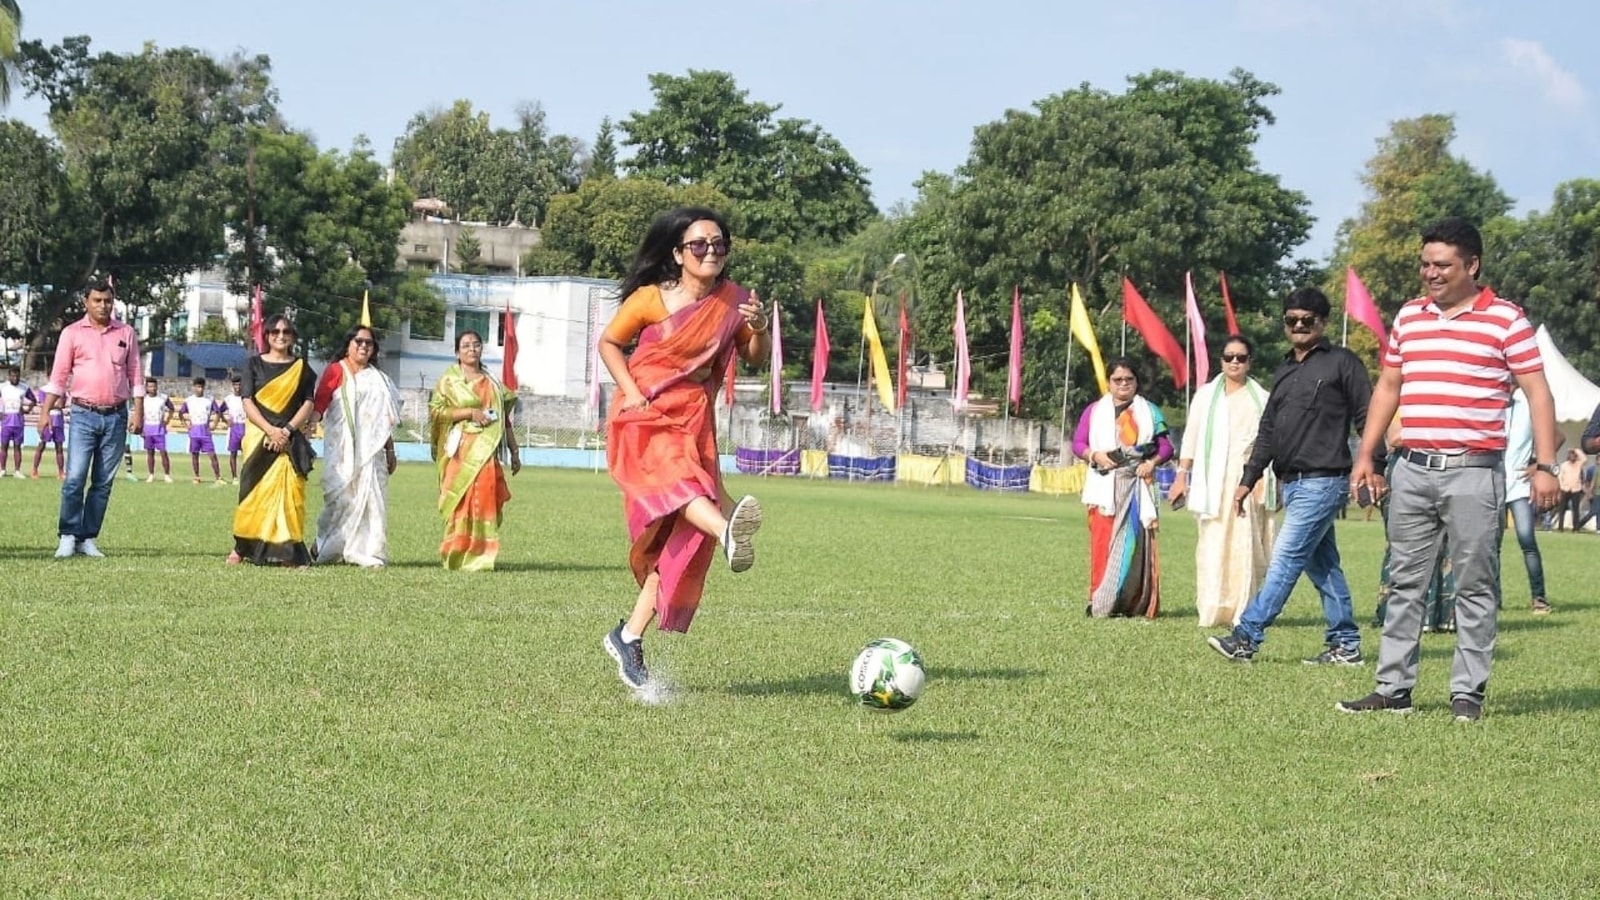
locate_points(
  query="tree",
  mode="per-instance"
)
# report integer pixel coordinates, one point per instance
(487, 174)
(216, 330)
(595, 230)
(1090, 186)
(1550, 263)
(791, 179)
(603, 157)
(10, 32)
(1412, 181)
(150, 143)
(469, 253)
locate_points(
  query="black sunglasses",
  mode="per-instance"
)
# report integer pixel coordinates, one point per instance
(700, 247)
(1301, 321)
(288, 331)
(364, 342)
(1236, 357)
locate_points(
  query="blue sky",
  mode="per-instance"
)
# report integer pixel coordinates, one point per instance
(902, 84)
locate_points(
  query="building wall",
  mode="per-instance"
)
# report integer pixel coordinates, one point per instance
(430, 243)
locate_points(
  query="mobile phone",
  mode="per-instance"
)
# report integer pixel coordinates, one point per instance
(1180, 501)
(1363, 496)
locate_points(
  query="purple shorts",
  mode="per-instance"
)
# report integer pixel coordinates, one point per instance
(200, 440)
(155, 439)
(235, 438)
(10, 432)
(52, 433)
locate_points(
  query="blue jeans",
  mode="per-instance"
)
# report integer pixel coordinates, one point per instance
(1305, 543)
(1522, 521)
(95, 442)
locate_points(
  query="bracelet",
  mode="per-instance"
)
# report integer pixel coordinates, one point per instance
(762, 329)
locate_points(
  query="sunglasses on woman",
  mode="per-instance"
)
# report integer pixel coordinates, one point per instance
(700, 247)
(1236, 357)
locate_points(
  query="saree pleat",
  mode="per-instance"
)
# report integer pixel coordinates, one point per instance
(665, 456)
(269, 523)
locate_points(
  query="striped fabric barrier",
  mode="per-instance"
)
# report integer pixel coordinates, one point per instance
(861, 468)
(997, 478)
(767, 462)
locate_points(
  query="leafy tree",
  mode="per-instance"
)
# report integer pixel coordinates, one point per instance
(1550, 263)
(35, 202)
(469, 253)
(217, 331)
(603, 157)
(1412, 181)
(595, 230)
(150, 141)
(10, 31)
(791, 179)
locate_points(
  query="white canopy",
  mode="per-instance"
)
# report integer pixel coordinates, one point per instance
(1576, 396)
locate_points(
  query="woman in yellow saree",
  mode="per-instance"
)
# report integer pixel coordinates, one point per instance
(468, 413)
(661, 440)
(269, 525)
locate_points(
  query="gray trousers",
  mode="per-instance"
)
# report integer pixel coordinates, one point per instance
(1425, 505)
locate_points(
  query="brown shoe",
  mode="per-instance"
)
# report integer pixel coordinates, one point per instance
(1542, 607)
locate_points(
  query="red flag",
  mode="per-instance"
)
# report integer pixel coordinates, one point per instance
(1358, 303)
(963, 356)
(508, 366)
(904, 342)
(1014, 376)
(1197, 332)
(256, 323)
(1227, 304)
(819, 360)
(777, 364)
(1144, 320)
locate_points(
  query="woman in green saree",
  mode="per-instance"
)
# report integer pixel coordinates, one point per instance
(468, 415)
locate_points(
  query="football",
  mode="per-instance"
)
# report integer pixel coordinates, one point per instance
(887, 675)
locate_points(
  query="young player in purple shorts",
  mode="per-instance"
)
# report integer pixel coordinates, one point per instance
(16, 399)
(197, 412)
(158, 411)
(52, 430)
(233, 411)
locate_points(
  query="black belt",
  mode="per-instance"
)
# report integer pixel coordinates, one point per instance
(1313, 473)
(102, 410)
(1442, 461)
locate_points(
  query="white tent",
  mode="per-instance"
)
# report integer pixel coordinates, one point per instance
(1576, 396)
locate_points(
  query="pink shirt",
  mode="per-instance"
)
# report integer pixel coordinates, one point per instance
(100, 367)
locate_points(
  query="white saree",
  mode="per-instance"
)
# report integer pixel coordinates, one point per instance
(360, 419)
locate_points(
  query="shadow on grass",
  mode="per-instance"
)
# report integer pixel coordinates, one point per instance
(933, 737)
(1538, 700)
(834, 682)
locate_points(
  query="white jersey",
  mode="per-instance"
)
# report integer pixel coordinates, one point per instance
(12, 397)
(198, 411)
(155, 408)
(234, 404)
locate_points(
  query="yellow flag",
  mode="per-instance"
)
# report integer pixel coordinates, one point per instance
(880, 363)
(1078, 323)
(366, 313)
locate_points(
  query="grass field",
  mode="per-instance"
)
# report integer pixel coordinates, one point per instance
(174, 727)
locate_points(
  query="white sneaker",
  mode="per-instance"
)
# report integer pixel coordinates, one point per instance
(69, 546)
(167, 478)
(87, 548)
(150, 480)
(742, 526)
(20, 475)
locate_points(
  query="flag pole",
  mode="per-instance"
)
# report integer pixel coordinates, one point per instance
(1344, 331)
(1066, 388)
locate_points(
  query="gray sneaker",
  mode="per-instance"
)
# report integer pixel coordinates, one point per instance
(1466, 709)
(1233, 647)
(629, 657)
(1376, 702)
(742, 526)
(1336, 656)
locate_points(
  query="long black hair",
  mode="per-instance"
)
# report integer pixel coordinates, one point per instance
(352, 334)
(654, 263)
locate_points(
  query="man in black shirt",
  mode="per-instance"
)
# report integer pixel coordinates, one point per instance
(1318, 393)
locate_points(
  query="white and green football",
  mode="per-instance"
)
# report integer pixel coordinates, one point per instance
(887, 675)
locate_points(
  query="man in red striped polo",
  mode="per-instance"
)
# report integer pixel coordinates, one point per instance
(1452, 359)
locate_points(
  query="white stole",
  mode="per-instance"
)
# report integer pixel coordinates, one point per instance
(1099, 490)
(1205, 440)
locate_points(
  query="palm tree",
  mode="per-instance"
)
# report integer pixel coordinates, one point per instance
(10, 32)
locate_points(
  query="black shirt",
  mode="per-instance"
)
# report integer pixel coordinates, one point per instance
(1306, 424)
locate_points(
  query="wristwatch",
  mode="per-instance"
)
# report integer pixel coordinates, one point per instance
(1550, 468)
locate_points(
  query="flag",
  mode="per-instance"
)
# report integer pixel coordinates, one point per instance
(508, 365)
(1227, 304)
(1358, 304)
(1014, 376)
(366, 311)
(1197, 332)
(880, 363)
(1144, 320)
(257, 321)
(963, 358)
(1083, 331)
(777, 364)
(819, 361)
(904, 342)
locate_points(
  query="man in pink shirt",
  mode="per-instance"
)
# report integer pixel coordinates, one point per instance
(97, 360)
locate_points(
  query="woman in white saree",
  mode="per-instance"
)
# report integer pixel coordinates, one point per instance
(1232, 551)
(360, 408)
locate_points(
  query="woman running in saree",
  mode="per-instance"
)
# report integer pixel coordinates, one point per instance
(469, 413)
(661, 439)
(1123, 437)
(360, 408)
(1232, 551)
(269, 525)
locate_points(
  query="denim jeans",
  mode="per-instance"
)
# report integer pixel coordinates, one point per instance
(1522, 521)
(1305, 543)
(95, 442)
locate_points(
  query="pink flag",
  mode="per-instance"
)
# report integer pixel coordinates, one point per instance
(1197, 333)
(777, 364)
(1014, 377)
(1358, 304)
(963, 359)
(819, 361)
(256, 323)
(1227, 304)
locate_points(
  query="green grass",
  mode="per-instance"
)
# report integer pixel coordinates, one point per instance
(171, 726)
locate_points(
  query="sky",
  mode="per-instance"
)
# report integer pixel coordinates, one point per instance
(902, 84)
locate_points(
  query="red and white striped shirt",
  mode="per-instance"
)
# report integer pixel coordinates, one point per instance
(1456, 373)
